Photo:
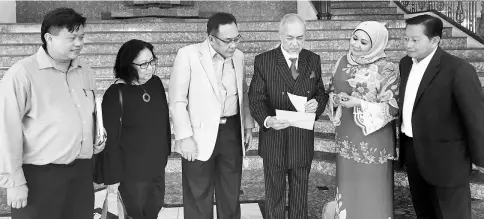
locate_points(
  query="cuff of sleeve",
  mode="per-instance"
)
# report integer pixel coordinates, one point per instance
(265, 122)
(183, 135)
(14, 179)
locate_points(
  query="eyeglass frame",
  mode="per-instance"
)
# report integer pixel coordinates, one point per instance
(230, 41)
(152, 62)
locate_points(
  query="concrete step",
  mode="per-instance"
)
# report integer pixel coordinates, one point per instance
(326, 55)
(142, 25)
(189, 36)
(154, 11)
(379, 10)
(165, 3)
(359, 4)
(245, 46)
(165, 71)
(366, 17)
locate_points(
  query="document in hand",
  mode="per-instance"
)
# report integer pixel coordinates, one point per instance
(298, 119)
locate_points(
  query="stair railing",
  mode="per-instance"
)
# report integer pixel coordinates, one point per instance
(323, 8)
(461, 14)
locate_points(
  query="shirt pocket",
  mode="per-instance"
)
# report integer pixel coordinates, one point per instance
(89, 98)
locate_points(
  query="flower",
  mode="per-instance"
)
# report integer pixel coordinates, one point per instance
(362, 88)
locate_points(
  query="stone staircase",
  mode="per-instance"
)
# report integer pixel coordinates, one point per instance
(329, 39)
(164, 8)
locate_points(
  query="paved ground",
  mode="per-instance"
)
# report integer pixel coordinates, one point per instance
(253, 192)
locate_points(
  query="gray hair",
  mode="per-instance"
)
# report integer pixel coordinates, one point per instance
(289, 18)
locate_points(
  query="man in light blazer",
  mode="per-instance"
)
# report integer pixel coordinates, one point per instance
(210, 112)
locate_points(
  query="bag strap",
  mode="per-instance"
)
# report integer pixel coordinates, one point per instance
(121, 117)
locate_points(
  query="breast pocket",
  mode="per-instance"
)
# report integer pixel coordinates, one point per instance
(89, 99)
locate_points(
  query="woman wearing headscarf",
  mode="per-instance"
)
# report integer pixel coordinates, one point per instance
(363, 106)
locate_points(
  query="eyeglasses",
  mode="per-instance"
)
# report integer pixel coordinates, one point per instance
(230, 41)
(145, 64)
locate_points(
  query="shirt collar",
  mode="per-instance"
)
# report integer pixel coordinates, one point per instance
(215, 54)
(45, 61)
(287, 56)
(426, 60)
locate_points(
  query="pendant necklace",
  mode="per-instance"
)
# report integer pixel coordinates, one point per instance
(146, 96)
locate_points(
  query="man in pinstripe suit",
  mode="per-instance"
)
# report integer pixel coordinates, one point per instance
(286, 150)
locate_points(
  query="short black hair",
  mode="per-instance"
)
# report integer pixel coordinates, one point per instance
(123, 66)
(217, 19)
(433, 26)
(58, 19)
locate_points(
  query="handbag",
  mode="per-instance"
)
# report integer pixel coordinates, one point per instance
(120, 206)
(98, 159)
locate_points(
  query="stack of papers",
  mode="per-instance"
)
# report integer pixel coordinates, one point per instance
(299, 119)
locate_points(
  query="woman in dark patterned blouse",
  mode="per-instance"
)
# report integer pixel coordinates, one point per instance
(136, 162)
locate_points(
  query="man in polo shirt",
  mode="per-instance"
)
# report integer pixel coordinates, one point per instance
(46, 125)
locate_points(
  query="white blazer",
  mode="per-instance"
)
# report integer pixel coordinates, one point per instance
(194, 98)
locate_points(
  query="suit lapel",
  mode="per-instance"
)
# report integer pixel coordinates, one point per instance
(429, 74)
(303, 70)
(207, 63)
(283, 69)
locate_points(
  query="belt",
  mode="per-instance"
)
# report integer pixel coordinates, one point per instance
(55, 164)
(224, 119)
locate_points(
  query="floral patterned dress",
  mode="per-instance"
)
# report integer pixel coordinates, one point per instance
(365, 138)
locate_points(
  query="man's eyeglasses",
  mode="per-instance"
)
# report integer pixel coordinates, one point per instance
(230, 41)
(145, 64)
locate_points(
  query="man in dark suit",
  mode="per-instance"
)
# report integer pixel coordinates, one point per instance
(442, 132)
(286, 150)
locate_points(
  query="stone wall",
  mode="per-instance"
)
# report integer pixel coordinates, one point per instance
(249, 10)
(34, 11)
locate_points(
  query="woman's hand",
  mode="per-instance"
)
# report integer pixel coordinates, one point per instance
(349, 101)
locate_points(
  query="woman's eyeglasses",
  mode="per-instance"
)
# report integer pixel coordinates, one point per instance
(145, 65)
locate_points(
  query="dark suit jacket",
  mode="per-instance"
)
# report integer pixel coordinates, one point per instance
(447, 119)
(272, 80)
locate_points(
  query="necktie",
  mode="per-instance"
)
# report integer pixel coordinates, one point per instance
(293, 68)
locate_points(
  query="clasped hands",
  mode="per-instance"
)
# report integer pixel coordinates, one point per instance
(272, 122)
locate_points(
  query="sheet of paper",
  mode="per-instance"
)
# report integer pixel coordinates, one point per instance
(298, 102)
(297, 119)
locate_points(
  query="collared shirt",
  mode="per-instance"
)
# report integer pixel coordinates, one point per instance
(46, 115)
(227, 82)
(413, 82)
(288, 56)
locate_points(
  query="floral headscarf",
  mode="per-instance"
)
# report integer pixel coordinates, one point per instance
(378, 34)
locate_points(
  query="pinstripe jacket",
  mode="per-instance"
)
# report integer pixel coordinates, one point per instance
(272, 80)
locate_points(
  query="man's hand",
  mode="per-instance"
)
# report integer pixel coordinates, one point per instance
(276, 124)
(248, 138)
(188, 149)
(17, 196)
(311, 106)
